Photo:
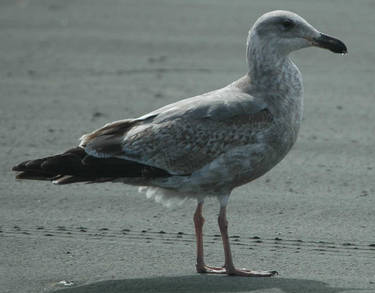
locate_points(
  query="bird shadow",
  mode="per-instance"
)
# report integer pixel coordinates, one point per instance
(205, 283)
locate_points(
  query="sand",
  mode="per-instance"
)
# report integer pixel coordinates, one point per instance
(68, 67)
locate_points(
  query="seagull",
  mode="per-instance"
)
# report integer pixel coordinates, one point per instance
(206, 145)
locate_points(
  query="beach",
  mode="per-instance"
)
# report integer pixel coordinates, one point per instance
(69, 67)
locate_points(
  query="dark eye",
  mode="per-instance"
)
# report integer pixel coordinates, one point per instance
(287, 24)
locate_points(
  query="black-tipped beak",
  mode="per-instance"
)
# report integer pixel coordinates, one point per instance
(330, 43)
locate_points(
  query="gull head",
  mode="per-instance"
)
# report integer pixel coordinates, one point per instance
(282, 32)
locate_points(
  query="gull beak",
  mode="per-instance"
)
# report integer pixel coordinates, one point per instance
(330, 43)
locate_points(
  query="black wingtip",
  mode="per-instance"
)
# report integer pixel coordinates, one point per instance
(20, 167)
(33, 176)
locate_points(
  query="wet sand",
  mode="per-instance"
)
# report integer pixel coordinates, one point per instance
(68, 67)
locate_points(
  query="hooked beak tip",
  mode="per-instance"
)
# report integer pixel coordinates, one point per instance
(330, 43)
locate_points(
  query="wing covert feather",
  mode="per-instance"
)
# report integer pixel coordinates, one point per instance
(182, 146)
(183, 137)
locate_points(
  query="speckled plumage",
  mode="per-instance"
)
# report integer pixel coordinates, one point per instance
(208, 144)
(216, 141)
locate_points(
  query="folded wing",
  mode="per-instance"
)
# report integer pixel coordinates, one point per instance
(183, 137)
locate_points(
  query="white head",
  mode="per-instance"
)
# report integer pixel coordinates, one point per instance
(282, 32)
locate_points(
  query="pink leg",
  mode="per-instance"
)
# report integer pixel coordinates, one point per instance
(230, 269)
(198, 223)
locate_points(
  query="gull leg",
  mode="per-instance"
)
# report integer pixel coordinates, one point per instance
(198, 223)
(229, 266)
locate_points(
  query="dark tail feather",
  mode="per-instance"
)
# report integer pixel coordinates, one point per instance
(75, 165)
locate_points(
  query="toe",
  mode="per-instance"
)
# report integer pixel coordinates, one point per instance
(251, 273)
(204, 269)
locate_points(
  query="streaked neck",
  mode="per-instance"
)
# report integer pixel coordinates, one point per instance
(265, 62)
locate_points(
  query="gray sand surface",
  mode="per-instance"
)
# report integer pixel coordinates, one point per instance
(68, 67)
